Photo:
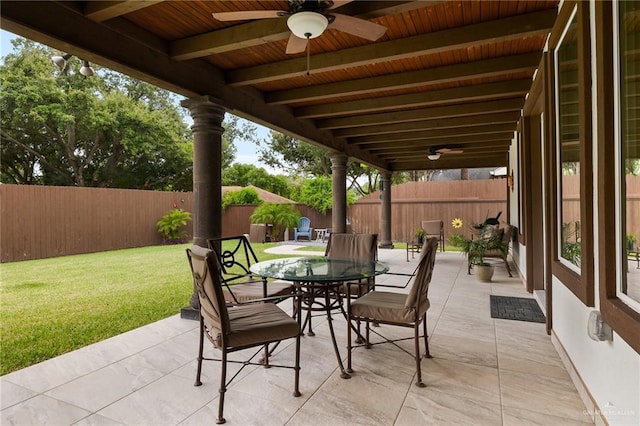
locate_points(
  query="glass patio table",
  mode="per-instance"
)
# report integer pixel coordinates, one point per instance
(321, 277)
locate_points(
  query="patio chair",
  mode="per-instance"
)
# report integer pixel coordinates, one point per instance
(434, 228)
(234, 327)
(391, 308)
(303, 229)
(240, 285)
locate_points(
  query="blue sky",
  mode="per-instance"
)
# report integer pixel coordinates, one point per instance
(246, 151)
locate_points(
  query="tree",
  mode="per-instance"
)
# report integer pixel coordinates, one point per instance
(248, 174)
(235, 128)
(108, 130)
(303, 159)
(317, 193)
(243, 196)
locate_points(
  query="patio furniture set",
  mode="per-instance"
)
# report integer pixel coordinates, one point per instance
(238, 299)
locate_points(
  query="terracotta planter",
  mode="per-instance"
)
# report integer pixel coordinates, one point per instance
(484, 273)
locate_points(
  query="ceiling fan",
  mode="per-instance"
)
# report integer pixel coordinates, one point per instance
(436, 151)
(308, 19)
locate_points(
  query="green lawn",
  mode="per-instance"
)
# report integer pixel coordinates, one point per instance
(53, 306)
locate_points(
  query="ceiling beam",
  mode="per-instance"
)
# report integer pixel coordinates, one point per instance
(531, 24)
(434, 133)
(429, 124)
(100, 11)
(462, 110)
(478, 92)
(527, 62)
(264, 31)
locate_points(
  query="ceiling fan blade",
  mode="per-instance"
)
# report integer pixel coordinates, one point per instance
(449, 151)
(246, 15)
(296, 45)
(339, 3)
(357, 27)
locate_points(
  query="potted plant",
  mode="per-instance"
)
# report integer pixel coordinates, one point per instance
(475, 250)
(419, 234)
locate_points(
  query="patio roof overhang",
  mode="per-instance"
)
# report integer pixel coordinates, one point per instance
(445, 74)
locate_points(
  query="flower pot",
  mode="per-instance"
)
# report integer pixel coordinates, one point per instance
(484, 273)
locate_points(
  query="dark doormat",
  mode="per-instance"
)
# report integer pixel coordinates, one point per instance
(516, 308)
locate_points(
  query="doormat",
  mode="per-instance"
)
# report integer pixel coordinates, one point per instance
(516, 308)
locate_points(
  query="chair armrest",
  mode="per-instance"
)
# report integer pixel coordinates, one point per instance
(265, 299)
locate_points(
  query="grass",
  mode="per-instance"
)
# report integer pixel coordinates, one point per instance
(53, 306)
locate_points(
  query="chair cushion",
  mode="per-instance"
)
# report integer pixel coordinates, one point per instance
(386, 307)
(257, 323)
(245, 292)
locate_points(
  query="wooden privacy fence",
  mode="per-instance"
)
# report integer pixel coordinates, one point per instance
(412, 202)
(37, 222)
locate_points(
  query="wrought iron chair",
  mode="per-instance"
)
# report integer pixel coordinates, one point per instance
(303, 229)
(234, 327)
(240, 285)
(349, 246)
(397, 309)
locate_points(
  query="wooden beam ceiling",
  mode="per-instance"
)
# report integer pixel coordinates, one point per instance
(445, 72)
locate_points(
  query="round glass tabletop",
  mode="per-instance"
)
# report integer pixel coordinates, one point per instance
(318, 269)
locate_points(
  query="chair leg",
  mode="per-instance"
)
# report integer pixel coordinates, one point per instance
(416, 331)
(426, 337)
(223, 387)
(507, 265)
(200, 349)
(349, 331)
(296, 390)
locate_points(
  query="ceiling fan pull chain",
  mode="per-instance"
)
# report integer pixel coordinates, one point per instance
(308, 58)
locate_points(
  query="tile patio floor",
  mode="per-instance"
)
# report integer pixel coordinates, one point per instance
(484, 371)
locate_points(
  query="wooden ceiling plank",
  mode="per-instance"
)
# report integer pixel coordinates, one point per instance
(454, 95)
(434, 133)
(463, 110)
(496, 160)
(100, 11)
(449, 73)
(440, 123)
(437, 42)
(265, 31)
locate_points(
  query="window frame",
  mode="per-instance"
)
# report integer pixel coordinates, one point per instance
(624, 320)
(579, 283)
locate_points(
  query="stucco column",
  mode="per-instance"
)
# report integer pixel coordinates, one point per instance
(385, 210)
(207, 173)
(339, 186)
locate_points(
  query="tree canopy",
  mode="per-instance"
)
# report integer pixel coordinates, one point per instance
(108, 130)
(248, 174)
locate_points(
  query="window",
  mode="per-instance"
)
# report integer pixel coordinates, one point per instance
(627, 155)
(568, 146)
(572, 169)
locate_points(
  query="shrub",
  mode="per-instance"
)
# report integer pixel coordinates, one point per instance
(243, 196)
(171, 226)
(281, 216)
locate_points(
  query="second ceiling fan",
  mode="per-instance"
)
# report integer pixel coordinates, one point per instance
(308, 19)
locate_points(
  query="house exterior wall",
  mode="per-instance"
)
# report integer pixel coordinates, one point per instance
(606, 373)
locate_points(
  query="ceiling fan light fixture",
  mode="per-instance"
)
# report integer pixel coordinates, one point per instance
(86, 69)
(307, 25)
(60, 61)
(433, 157)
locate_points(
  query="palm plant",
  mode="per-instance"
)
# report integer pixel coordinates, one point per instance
(281, 216)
